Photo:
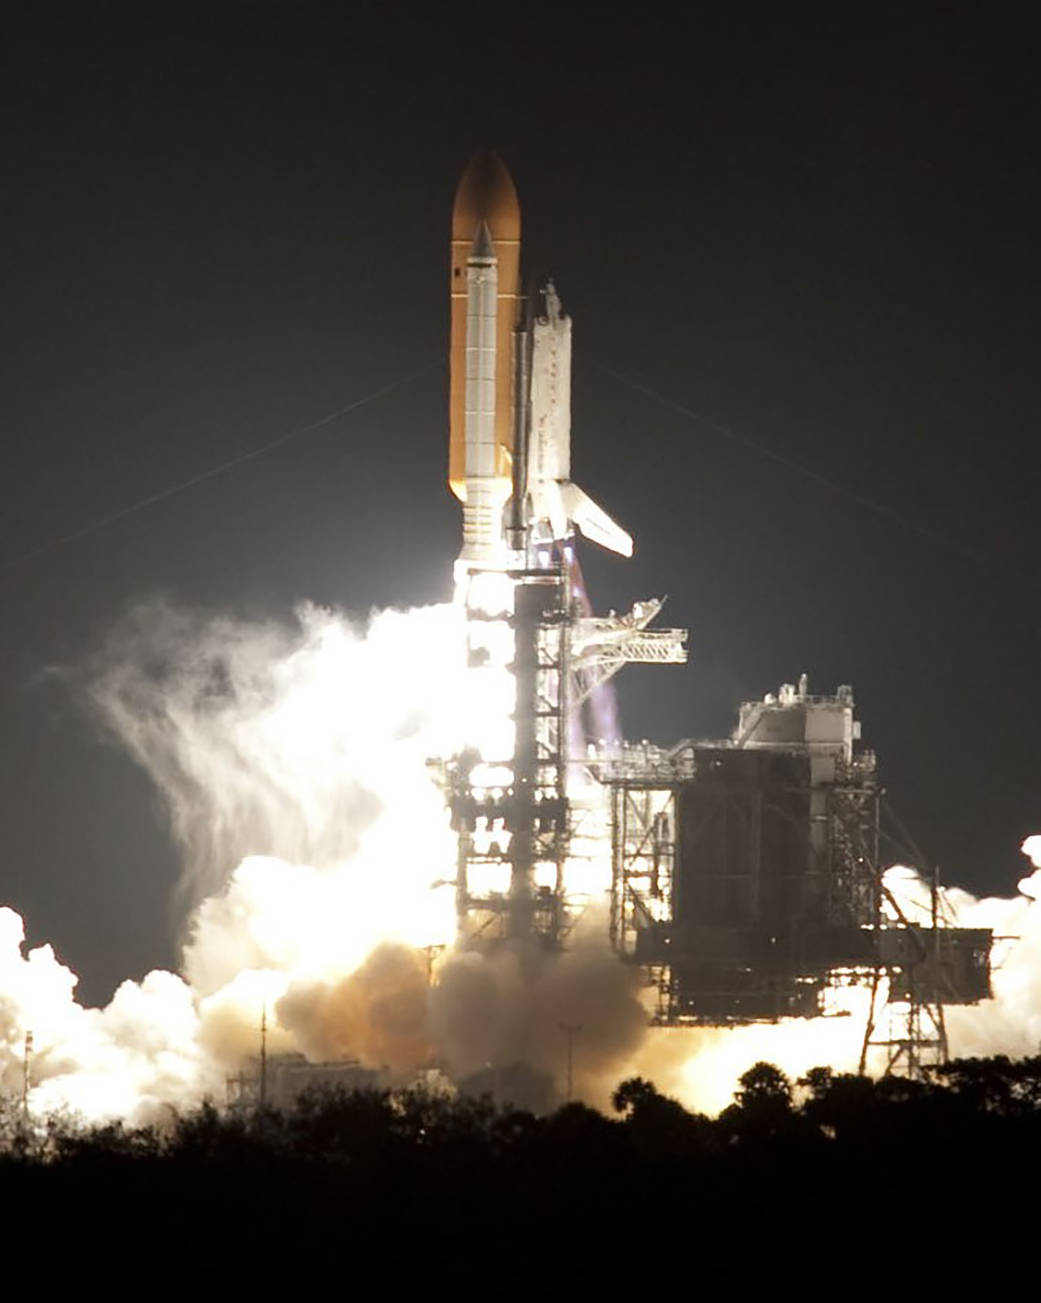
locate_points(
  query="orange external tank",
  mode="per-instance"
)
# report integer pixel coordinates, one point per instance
(485, 204)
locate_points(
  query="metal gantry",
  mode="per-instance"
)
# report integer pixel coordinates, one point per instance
(923, 966)
(746, 878)
(746, 885)
(602, 645)
(521, 829)
(642, 783)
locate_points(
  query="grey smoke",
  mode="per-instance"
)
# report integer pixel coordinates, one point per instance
(509, 1006)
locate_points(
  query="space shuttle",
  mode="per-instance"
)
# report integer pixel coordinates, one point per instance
(510, 391)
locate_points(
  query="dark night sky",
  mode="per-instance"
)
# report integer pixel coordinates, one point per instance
(221, 224)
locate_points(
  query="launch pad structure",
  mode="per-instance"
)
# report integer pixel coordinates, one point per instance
(561, 660)
(746, 881)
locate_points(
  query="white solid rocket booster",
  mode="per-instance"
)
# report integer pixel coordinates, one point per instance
(482, 506)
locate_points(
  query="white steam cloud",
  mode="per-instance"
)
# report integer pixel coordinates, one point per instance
(291, 760)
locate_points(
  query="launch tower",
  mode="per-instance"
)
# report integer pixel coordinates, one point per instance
(746, 879)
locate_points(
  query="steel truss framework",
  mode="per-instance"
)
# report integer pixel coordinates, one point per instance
(910, 1034)
(858, 933)
(521, 829)
(601, 645)
(525, 830)
(931, 964)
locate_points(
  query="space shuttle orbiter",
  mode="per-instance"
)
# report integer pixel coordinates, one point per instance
(510, 394)
(555, 505)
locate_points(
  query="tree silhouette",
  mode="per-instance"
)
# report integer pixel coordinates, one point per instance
(461, 1170)
(762, 1105)
(632, 1093)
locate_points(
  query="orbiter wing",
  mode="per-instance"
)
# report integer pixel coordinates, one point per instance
(592, 521)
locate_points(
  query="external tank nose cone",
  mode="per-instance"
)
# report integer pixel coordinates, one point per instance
(486, 193)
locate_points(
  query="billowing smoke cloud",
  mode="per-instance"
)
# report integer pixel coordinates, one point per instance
(292, 762)
(136, 1058)
(298, 753)
(517, 1004)
(1011, 1022)
(378, 1013)
(288, 740)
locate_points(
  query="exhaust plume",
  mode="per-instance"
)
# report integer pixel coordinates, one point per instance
(291, 761)
(513, 1006)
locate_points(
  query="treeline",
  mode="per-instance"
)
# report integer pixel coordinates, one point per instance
(784, 1158)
